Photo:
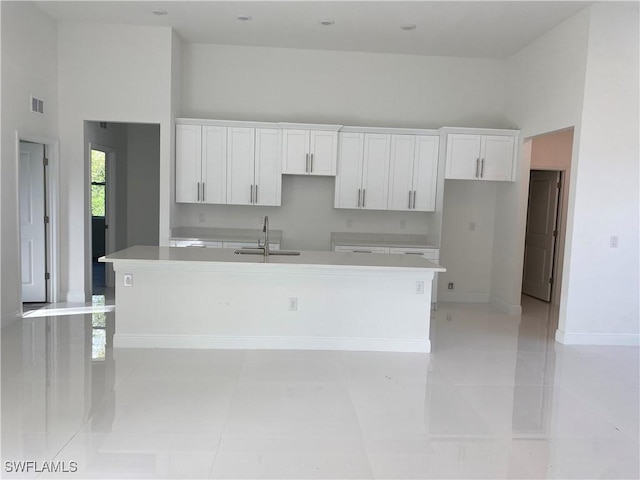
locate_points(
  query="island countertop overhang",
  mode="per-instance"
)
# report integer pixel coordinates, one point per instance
(226, 258)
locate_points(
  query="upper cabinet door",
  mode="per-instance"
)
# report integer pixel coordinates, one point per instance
(497, 157)
(268, 167)
(463, 156)
(188, 163)
(214, 165)
(323, 152)
(240, 169)
(425, 173)
(401, 172)
(295, 151)
(349, 175)
(375, 171)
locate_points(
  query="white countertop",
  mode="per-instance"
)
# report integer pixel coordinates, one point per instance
(174, 255)
(381, 240)
(224, 234)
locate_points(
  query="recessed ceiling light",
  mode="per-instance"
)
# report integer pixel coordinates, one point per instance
(408, 26)
(244, 18)
(159, 11)
(327, 22)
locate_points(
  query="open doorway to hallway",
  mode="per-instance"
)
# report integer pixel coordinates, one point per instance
(547, 214)
(123, 191)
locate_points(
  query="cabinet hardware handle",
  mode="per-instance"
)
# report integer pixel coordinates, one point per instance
(198, 191)
(311, 169)
(306, 166)
(362, 251)
(250, 193)
(482, 168)
(413, 253)
(477, 166)
(359, 196)
(203, 185)
(256, 194)
(364, 191)
(414, 199)
(409, 199)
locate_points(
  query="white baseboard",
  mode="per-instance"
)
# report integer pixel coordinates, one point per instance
(271, 343)
(505, 307)
(464, 297)
(614, 339)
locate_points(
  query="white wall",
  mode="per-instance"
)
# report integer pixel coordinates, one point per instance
(29, 67)
(112, 73)
(602, 295)
(278, 84)
(143, 184)
(467, 254)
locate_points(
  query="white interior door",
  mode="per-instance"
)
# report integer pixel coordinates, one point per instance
(32, 223)
(541, 234)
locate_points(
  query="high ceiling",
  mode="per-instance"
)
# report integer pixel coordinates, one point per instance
(472, 29)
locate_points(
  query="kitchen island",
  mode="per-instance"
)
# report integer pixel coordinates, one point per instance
(169, 297)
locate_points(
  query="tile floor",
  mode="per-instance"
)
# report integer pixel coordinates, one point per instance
(497, 398)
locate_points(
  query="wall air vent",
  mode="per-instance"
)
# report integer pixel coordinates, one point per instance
(37, 105)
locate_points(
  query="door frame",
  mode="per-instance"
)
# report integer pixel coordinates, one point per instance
(110, 204)
(52, 209)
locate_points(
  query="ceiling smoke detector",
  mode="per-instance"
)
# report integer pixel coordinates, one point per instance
(327, 22)
(244, 18)
(408, 26)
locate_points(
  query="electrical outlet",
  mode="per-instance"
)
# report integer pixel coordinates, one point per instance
(202, 217)
(419, 287)
(613, 241)
(403, 224)
(349, 223)
(450, 286)
(260, 221)
(127, 280)
(293, 304)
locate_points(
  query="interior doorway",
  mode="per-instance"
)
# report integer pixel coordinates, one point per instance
(34, 219)
(547, 209)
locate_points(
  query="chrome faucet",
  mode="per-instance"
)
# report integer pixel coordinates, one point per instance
(265, 229)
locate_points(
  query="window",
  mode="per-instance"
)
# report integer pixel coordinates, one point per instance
(98, 183)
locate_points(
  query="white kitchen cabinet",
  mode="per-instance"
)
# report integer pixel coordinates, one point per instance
(309, 152)
(362, 180)
(480, 157)
(254, 173)
(413, 172)
(200, 164)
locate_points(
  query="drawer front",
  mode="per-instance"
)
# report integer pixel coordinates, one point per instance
(195, 244)
(360, 249)
(428, 253)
